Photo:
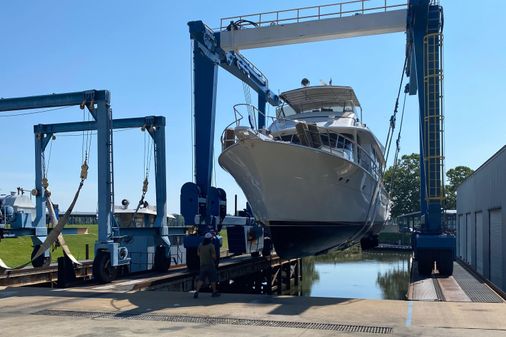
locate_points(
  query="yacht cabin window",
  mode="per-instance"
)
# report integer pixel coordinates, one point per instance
(287, 111)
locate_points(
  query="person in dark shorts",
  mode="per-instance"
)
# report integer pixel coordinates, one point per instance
(207, 254)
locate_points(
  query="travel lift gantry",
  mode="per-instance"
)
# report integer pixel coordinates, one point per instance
(134, 248)
(421, 20)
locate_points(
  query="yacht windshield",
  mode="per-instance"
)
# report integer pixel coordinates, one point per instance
(287, 111)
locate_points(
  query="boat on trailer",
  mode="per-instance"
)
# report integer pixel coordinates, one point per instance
(313, 177)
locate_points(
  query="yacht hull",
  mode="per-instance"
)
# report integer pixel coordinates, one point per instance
(311, 200)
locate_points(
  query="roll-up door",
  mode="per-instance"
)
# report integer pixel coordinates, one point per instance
(478, 221)
(462, 237)
(469, 239)
(496, 259)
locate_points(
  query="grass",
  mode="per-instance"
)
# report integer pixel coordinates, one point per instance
(224, 236)
(17, 251)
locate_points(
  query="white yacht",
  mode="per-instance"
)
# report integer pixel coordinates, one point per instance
(313, 177)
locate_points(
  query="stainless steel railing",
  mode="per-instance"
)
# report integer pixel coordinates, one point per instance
(294, 15)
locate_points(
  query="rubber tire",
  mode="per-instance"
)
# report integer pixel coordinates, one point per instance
(375, 241)
(192, 259)
(445, 264)
(103, 272)
(41, 261)
(266, 251)
(425, 265)
(161, 263)
(366, 243)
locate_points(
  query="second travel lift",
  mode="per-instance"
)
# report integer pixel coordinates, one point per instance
(114, 247)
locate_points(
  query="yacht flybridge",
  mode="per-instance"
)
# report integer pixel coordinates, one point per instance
(313, 177)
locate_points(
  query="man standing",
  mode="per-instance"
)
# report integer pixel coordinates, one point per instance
(207, 254)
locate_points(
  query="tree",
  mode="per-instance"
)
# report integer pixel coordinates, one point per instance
(455, 177)
(403, 184)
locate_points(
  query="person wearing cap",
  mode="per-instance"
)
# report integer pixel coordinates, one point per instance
(207, 255)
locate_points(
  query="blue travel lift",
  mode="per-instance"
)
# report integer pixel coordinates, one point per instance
(133, 249)
(422, 20)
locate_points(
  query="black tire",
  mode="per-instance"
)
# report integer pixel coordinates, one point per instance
(255, 254)
(366, 243)
(445, 263)
(192, 259)
(424, 265)
(161, 263)
(103, 271)
(266, 251)
(41, 261)
(375, 241)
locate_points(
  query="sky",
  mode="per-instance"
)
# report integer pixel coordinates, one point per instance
(141, 53)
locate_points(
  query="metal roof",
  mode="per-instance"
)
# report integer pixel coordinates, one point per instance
(308, 98)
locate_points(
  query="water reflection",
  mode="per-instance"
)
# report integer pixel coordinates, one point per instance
(356, 274)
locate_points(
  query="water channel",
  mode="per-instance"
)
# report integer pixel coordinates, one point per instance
(357, 274)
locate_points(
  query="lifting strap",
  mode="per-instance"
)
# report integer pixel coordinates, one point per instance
(61, 240)
(372, 209)
(393, 118)
(55, 234)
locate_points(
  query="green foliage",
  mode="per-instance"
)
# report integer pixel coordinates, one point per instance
(455, 177)
(224, 236)
(403, 184)
(395, 238)
(17, 251)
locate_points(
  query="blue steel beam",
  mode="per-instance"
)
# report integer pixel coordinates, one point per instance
(54, 100)
(120, 123)
(208, 42)
(158, 134)
(262, 103)
(418, 26)
(205, 73)
(240, 67)
(40, 198)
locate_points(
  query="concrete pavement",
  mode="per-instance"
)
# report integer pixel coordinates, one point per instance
(73, 312)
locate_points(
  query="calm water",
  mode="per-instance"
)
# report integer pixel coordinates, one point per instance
(355, 274)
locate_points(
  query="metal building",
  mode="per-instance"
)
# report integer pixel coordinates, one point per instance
(481, 219)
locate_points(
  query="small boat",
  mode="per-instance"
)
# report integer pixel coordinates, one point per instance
(126, 217)
(313, 177)
(142, 217)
